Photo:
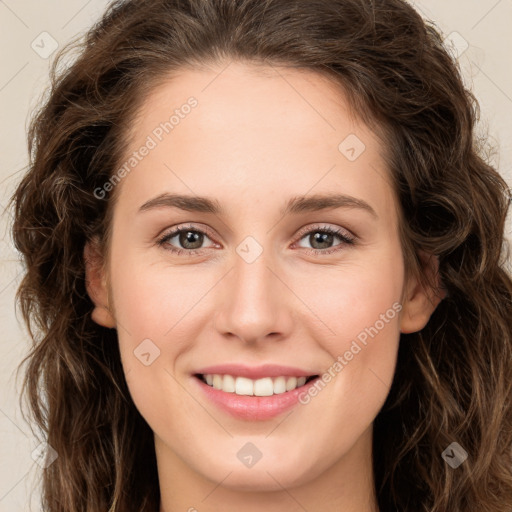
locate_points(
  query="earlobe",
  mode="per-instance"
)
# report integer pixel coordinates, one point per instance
(96, 285)
(420, 300)
(102, 316)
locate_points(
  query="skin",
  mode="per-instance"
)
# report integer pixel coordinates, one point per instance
(257, 137)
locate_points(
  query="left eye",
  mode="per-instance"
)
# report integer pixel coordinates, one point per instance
(326, 235)
(191, 240)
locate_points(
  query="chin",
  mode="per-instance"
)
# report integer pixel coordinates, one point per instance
(263, 476)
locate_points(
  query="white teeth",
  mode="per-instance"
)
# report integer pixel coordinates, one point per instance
(228, 384)
(243, 386)
(266, 386)
(217, 382)
(291, 383)
(279, 385)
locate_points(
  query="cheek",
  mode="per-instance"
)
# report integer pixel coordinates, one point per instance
(359, 311)
(150, 299)
(357, 301)
(153, 305)
(151, 317)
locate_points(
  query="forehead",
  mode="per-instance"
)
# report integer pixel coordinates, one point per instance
(267, 129)
(228, 94)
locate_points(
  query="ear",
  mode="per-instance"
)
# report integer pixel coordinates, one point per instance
(420, 301)
(96, 285)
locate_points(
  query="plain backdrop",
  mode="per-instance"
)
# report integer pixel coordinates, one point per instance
(477, 30)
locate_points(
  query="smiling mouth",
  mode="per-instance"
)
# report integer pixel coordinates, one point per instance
(266, 386)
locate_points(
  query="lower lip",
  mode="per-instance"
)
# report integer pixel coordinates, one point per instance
(254, 408)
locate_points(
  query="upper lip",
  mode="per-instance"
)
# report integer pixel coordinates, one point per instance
(254, 372)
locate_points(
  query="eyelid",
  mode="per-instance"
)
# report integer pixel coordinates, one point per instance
(327, 227)
(172, 232)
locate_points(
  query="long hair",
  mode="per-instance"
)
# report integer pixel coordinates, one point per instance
(453, 379)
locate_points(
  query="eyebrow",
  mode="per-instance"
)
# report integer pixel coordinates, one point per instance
(295, 205)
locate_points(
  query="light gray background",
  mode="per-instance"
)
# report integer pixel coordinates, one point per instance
(484, 24)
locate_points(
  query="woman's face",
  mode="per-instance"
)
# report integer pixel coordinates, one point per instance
(257, 284)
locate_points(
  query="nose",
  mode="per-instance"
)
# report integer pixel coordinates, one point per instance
(254, 301)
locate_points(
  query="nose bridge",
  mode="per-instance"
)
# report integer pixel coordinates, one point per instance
(253, 304)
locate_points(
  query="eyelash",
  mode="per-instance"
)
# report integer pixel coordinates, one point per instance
(345, 238)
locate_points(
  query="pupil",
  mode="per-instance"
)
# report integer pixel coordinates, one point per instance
(321, 238)
(190, 237)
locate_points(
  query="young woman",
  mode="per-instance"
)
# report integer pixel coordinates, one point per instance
(265, 266)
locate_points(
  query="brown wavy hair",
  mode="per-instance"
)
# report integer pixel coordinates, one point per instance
(453, 379)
